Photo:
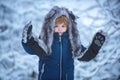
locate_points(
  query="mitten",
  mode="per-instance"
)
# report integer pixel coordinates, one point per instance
(94, 47)
(32, 44)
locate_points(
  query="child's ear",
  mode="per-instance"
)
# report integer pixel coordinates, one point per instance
(72, 15)
(52, 12)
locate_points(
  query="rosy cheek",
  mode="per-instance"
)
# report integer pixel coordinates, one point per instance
(55, 30)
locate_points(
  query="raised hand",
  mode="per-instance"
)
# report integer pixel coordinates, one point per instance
(94, 47)
(99, 38)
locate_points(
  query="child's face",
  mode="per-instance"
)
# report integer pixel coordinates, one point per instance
(60, 28)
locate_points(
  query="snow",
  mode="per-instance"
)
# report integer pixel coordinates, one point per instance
(94, 15)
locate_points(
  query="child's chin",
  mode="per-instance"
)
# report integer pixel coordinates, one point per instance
(60, 34)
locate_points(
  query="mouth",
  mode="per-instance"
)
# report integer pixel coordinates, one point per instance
(60, 33)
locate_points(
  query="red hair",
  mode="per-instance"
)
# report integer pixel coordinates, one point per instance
(62, 19)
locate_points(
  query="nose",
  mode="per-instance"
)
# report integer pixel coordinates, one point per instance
(59, 29)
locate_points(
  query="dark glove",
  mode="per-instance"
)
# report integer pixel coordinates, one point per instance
(32, 44)
(94, 47)
(27, 32)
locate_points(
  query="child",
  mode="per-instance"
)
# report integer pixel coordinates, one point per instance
(58, 45)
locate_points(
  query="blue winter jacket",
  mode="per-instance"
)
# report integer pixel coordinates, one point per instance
(59, 65)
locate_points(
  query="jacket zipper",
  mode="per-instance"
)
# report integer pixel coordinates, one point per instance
(66, 76)
(42, 71)
(60, 57)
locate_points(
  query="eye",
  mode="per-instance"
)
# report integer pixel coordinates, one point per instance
(56, 26)
(63, 26)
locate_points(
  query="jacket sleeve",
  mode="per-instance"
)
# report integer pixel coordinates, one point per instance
(94, 48)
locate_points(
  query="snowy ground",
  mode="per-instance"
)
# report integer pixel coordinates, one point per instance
(16, 64)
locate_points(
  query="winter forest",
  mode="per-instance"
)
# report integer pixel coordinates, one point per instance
(93, 15)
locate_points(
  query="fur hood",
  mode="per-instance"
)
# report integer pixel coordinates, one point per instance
(48, 29)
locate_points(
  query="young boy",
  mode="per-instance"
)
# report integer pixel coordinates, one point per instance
(58, 45)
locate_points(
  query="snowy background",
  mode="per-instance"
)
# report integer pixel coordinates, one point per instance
(16, 64)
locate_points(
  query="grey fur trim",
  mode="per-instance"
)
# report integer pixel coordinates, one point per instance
(48, 29)
(24, 34)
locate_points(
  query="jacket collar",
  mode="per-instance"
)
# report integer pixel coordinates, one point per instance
(63, 36)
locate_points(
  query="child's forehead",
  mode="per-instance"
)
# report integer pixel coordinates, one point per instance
(62, 20)
(60, 23)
